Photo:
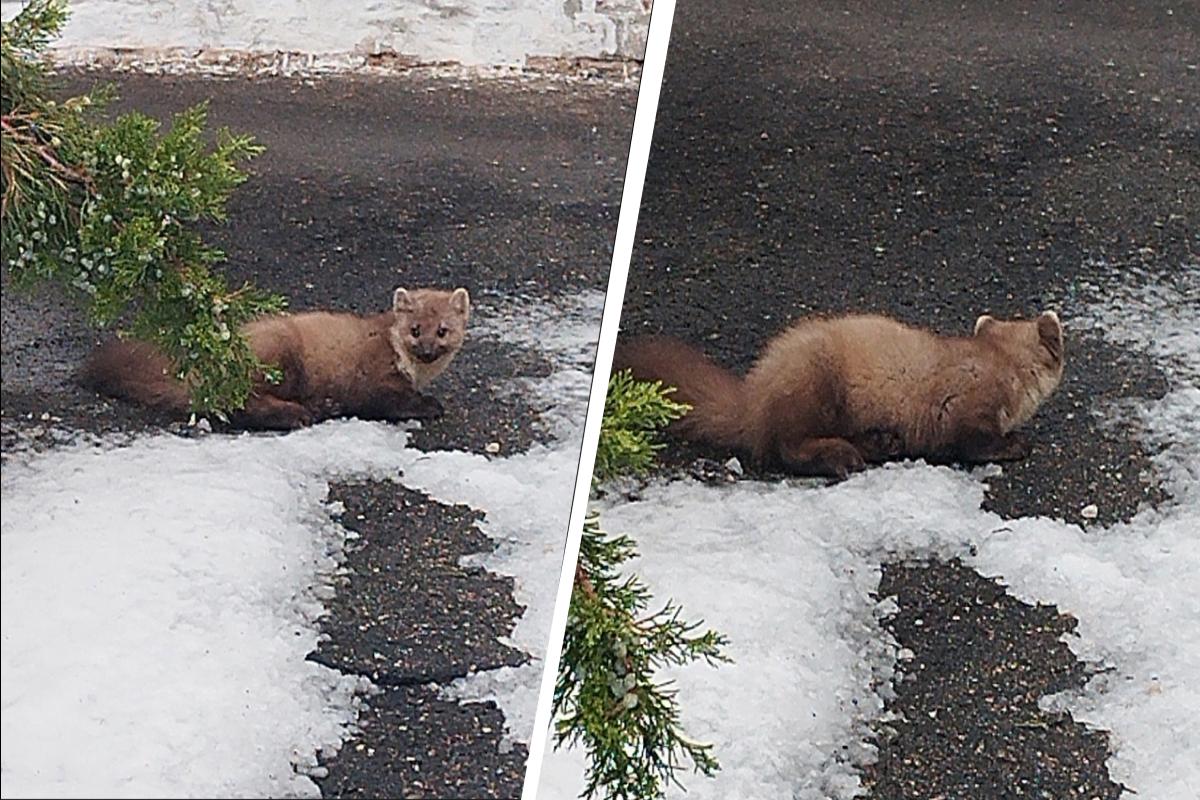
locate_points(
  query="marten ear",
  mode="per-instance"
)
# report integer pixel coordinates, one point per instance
(983, 322)
(402, 301)
(1050, 333)
(460, 301)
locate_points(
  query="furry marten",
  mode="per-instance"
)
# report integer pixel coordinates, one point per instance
(828, 395)
(333, 364)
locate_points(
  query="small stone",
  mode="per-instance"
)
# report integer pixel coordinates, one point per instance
(1089, 511)
(991, 471)
(492, 447)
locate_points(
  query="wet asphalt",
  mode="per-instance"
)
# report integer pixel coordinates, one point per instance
(937, 161)
(510, 188)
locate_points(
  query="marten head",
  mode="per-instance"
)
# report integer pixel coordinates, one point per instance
(1035, 348)
(428, 330)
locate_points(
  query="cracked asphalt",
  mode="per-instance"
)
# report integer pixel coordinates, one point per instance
(937, 161)
(509, 187)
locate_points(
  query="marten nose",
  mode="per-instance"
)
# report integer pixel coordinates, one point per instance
(427, 352)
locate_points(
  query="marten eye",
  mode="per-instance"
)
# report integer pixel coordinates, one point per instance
(442, 331)
(416, 331)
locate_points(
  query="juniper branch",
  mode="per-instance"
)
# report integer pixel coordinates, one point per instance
(111, 210)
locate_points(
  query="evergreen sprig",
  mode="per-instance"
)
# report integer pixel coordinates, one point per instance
(607, 697)
(111, 210)
(634, 414)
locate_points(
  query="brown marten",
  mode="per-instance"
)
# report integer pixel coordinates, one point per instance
(828, 395)
(333, 364)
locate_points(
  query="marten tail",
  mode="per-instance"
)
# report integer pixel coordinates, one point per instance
(135, 371)
(717, 396)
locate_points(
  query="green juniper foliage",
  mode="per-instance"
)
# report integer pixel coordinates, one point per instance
(111, 209)
(634, 412)
(606, 698)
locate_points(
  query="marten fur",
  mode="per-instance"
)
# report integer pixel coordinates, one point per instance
(333, 364)
(829, 395)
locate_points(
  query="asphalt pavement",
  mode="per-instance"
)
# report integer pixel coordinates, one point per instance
(937, 161)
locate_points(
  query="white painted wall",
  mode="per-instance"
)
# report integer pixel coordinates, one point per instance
(472, 32)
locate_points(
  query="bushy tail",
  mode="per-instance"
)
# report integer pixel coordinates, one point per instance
(134, 371)
(717, 396)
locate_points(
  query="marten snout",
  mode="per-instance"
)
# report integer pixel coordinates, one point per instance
(428, 352)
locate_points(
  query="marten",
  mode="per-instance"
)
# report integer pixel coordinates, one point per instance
(829, 395)
(333, 364)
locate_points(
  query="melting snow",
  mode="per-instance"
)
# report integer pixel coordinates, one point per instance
(796, 564)
(159, 598)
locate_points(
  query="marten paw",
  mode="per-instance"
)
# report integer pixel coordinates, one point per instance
(422, 406)
(327, 408)
(1013, 447)
(986, 449)
(271, 414)
(879, 446)
(833, 458)
(843, 462)
(300, 418)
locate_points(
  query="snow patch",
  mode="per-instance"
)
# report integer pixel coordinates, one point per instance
(159, 598)
(158, 604)
(795, 567)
